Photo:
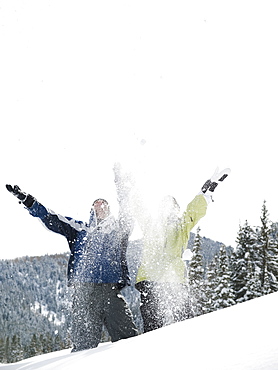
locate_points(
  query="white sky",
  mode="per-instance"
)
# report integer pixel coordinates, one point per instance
(82, 83)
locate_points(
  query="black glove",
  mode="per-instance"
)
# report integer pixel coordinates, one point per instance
(217, 177)
(27, 199)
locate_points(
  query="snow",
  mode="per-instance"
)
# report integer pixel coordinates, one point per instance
(240, 337)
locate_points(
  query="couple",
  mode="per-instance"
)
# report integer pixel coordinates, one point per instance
(97, 268)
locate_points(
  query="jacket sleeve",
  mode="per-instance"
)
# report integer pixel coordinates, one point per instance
(126, 220)
(195, 210)
(65, 226)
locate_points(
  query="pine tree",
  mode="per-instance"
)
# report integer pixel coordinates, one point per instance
(34, 347)
(8, 350)
(267, 284)
(224, 292)
(268, 258)
(244, 252)
(253, 282)
(263, 242)
(196, 277)
(16, 353)
(58, 343)
(2, 351)
(211, 282)
(44, 344)
(273, 258)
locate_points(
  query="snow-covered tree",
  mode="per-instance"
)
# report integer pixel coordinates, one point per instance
(34, 347)
(16, 352)
(46, 341)
(223, 291)
(273, 258)
(8, 357)
(2, 351)
(253, 287)
(244, 254)
(267, 247)
(267, 284)
(196, 277)
(211, 284)
(263, 242)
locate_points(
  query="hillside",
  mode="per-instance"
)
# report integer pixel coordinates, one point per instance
(236, 338)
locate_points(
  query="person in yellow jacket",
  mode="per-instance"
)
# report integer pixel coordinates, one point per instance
(161, 278)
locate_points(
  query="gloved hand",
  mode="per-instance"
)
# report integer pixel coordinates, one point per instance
(217, 177)
(27, 199)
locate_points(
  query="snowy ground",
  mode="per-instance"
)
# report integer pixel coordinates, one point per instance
(240, 337)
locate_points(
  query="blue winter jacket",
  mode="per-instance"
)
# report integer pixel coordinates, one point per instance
(98, 252)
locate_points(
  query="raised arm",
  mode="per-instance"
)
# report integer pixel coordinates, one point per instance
(65, 226)
(123, 188)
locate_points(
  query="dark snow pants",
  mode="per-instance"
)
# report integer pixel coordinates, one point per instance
(95, 305)
(162, 304)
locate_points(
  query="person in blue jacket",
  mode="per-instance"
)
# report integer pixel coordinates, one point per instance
(97, 268)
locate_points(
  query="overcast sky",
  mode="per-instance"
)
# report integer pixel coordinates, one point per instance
(171, 89)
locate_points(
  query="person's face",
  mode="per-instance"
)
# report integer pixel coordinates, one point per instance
(101, 209)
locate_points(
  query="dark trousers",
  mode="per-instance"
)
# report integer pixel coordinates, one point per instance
(162, 304)
(95, 305)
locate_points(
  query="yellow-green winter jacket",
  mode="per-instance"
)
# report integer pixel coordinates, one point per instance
(164, 245)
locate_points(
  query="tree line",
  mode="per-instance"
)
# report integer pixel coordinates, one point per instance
(12, 350)
(33, 307)
(250, 271)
